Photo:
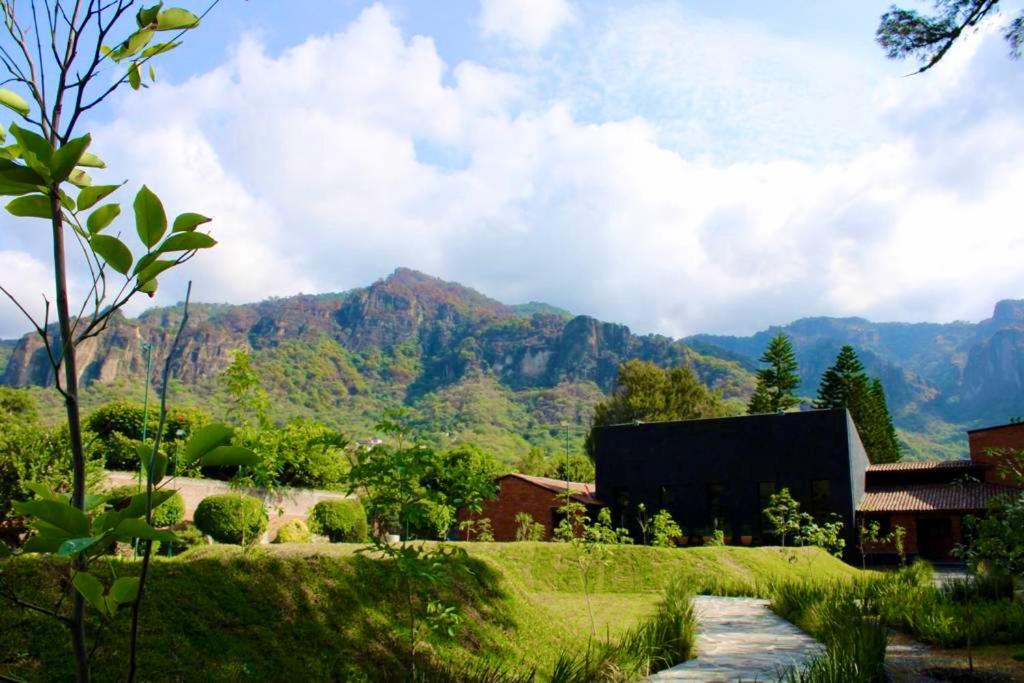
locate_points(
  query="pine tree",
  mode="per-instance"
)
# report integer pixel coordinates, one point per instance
(886, 446)
(845, 384)
(775, 383)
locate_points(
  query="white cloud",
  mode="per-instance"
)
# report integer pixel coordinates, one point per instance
(527, 23)
(328, 165)
(29, 281)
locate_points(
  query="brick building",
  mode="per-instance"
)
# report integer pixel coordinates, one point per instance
(537, 496)
(930, 499)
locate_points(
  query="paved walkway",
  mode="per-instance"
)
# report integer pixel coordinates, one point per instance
(741, 639)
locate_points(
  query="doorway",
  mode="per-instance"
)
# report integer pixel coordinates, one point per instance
(934, 537)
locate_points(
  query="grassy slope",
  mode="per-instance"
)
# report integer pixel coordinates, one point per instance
(322, 613)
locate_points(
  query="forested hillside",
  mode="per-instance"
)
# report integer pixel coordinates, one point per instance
(467, 367)
(470, 368)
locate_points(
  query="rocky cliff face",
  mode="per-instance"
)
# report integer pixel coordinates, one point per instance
(451, 331)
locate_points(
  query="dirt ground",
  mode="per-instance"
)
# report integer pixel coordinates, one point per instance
(908, 661)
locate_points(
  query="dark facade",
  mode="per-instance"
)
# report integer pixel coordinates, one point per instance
(719, 473)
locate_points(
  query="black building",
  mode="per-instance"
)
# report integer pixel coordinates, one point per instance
(719, 473)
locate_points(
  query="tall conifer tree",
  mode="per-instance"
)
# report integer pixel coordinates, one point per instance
(777, 381)
(846, 385)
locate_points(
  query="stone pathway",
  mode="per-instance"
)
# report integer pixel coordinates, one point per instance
(741, 639)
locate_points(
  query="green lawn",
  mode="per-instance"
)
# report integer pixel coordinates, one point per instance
(320, 612)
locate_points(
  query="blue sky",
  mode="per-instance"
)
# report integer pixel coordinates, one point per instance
(678, 166)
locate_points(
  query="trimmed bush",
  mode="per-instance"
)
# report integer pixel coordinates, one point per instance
(232, 518)
(167, 513)
(342, 521)
(293, 531)
(188, 537)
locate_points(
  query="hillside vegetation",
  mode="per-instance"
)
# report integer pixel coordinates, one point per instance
(300, 612)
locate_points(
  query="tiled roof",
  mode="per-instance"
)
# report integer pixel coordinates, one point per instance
(583, 492)
(913, 466)
(933, 498)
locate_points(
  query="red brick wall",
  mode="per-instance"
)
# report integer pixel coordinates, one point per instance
(515, 496)
(1009, 436)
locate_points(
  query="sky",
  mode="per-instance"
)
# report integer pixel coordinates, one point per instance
(680, 167)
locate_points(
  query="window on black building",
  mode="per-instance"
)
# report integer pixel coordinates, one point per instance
(821, 499)
(765, 490)
(715, 491)
(664, 497)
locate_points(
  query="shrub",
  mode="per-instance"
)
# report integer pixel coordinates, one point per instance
(232, 518)
(293, 531)
(342, 521)
(168, 513)
(188, 537)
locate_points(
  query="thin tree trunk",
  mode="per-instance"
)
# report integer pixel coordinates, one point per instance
(67, 357)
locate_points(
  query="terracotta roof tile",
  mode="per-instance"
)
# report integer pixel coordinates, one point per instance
(914, 466)
(933, 498)
(584, 492)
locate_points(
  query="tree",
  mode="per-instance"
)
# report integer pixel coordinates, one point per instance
(843, 385)
(775, 383)
(783, 513)
(664, 530)
(907, 33)
(846, 385)
(647, 393)
(56, 87)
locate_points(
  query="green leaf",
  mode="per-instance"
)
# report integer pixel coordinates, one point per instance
(134, 77)
(90, 195)
(34, 149)
(229, 455)
(132, 45)
(3, 133)
(147, 15)
(43, 543)
(61, 514)
(43, 491)
(150, 219)
(31, 206)
(137, 506)
(159, 462)
(157, 49)
(188, 222)
(80, 178)
(91, 589)
(113, 251)
(4, 550)
(153, 269)
(93, 500)
(206, 439)
(13, 100)
(176, 18)
(92, 161)
(148, 287)
(66, 158)
(16, 179)
(138, 528)
(73, 546)
(187, 241)
(66, 201)
(125, 589)
(102, 217)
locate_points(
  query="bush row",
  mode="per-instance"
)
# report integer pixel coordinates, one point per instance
(241, 519)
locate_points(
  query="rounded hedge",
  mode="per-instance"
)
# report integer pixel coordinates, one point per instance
(232, 518)
(342, 521)
(167, 513)
(293, 531)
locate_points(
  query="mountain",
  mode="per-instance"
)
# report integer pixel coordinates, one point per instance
(466, 366)
(940, 378)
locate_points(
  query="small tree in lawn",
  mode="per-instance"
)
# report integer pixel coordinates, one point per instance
(93, 48)
(593, 543)
(867, 536)
(527, 528)
(783, 514)
(664, 530)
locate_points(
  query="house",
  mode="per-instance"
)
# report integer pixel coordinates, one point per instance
(540, 497)
(719, 473)
(930, 499)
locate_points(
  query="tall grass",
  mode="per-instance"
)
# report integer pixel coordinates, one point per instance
(659, 642)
